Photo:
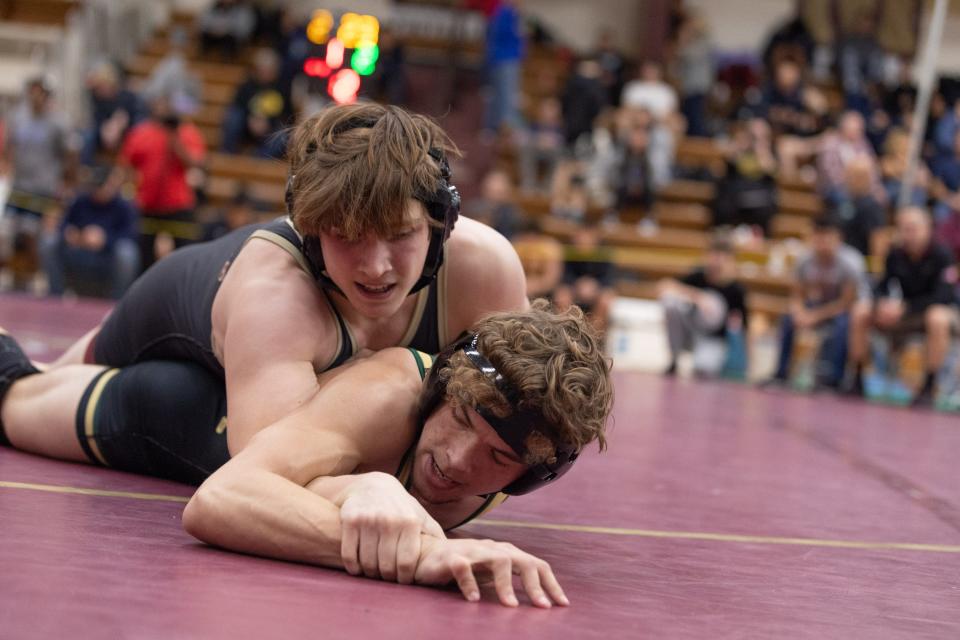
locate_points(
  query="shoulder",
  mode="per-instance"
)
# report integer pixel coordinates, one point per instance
(266, 294)
(483, 265)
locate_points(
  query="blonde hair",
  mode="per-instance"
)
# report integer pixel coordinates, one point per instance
(356, 167)
(554, 361)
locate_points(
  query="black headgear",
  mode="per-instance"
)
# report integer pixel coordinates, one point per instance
(443, 207)
(514, 428)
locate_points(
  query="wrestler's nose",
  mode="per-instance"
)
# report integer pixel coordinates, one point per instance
(461, 455)
(375, 259)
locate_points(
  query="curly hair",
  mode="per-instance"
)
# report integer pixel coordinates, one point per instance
(356, 167)
(556, 364)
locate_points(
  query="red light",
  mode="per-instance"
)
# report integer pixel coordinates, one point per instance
(334, 53)
(343, 86)
(316, 68)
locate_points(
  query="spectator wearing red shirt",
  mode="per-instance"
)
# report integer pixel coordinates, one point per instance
(160, 151)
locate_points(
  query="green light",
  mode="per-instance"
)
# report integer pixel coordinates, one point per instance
(364, 59)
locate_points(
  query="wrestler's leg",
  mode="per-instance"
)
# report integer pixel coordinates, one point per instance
(39, 411)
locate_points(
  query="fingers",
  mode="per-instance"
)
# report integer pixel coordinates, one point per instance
(549, 581)
(387, 556)
(349, 543)
(370, 552)
(530, 577)
(502, 569)
(462, 572)
(408, 554)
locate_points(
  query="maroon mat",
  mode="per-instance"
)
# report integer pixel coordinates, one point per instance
(720, 511)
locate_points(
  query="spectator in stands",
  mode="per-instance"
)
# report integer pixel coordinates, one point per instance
(160, 151)
(497, 205)
(505, 53)
(543, 147)
(860, 57)
(569, 199)
(114, 109)
(238, 213)
(860, 214)
(946, 171)
(635, 185)
(702, 308)
(651, 93)
(612, 66)
(839, 148)
(542, 259)
(40, 153)
(791, 40)
(747, 192)
(588, 277)
(172, 80)
(916, 293)
(97, 238)
(259, 110)
(388, 84)
(948, 228)
(824, 291)
(945, 131)
(695, 71)
(601, 153)
(226, 26)
(584, 97)
(792, 107)
(662, 137)
(893, 167)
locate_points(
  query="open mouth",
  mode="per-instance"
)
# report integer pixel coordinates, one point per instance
(439, 478)
(376, 291)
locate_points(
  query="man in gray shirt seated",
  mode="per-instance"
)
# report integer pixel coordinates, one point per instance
(823, 293)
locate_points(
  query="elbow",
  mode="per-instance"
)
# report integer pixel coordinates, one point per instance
(200, 513)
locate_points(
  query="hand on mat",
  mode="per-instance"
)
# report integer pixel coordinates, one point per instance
(465, 560)
(381, 526)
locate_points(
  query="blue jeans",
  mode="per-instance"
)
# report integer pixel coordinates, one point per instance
(504, 101)
(694, 109)
(119, 265)
(833, 349)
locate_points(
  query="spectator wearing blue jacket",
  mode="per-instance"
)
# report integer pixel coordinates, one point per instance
(505, 52)
(97, 239)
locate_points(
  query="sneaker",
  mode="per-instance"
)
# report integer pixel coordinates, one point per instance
(775, 382)
(924, 398)
(854, 387)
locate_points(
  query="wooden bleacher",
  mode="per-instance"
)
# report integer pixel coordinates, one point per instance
(48, 12)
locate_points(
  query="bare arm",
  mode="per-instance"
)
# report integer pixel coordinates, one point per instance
(484, 276)
(285, 496)
(840, 305)
(259, 502)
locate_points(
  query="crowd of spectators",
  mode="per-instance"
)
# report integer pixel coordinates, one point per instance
(829, 109)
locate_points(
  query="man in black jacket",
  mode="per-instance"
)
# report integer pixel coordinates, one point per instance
(916, 293)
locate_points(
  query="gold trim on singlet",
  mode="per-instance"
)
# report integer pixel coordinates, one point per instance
(91, 413)
(336, 323)
(297, 255)
(442, 336)
(422, 297)
(284, 244)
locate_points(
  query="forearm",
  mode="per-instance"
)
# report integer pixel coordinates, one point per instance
(267, 515)
(183, 154)
(830, 310)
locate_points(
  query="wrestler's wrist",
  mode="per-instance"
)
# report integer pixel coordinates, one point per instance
(373, 481)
